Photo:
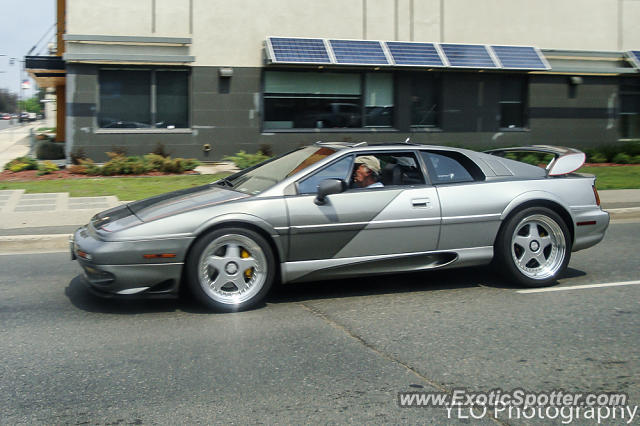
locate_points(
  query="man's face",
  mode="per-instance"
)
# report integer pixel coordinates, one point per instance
(362, 172)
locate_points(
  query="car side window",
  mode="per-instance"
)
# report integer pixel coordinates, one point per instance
(337, 170)
(400, 168)
(446, 168)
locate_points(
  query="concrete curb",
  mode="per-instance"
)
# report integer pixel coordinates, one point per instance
(34, 243)
(16, 244)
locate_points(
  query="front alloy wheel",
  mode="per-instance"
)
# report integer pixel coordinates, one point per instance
(231, 269)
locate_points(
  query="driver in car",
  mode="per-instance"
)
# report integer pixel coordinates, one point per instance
(367, 172)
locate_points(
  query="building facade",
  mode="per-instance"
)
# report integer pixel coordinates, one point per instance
(207, 78)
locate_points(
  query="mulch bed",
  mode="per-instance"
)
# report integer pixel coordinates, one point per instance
(608, 165)
(32, 175)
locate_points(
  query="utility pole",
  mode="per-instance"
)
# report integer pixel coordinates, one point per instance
(20, 64)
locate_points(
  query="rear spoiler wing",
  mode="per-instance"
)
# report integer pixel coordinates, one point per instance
(565, 160)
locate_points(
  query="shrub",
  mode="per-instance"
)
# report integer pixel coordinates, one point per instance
(597, 157)
(161, 150)
(635, 159)
(179, 165)
(77, 169)
(532, 159)
(265, 148)
(121, 165)
(191, 163)
(511, 156)
(243, 160)
(78, 154)
(47, 167)
(46, 150)
(622, 158)
(154, 162)
(632, 148)
(118, 150)
(21, 163)
(172, 165)
(91, 168)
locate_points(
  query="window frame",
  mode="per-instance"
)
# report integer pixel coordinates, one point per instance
(628, 87)
(524, 102)
(437, 82)
(152, 101)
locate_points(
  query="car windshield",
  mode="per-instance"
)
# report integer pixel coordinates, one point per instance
(268, 174)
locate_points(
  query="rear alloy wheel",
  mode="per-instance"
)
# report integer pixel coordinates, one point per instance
(231, 269)
(534, 247)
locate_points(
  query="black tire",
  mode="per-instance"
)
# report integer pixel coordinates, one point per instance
(230, 269)
(533, 247)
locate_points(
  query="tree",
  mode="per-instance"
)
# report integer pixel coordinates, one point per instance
(8, 101)
(31, 105)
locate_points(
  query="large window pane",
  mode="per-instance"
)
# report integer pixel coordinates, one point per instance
(312, 100)
(425, 95)
(125, 99)
(307, 112)
(378, 99)
(312, 83)
(172, 100)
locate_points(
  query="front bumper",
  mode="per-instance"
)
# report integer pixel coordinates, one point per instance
(108, 273)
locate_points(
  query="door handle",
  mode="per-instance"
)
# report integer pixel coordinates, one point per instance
(421, 202)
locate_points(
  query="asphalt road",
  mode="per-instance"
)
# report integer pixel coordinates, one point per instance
(330, 352)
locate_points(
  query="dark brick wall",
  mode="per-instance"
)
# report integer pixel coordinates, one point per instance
(226, 114)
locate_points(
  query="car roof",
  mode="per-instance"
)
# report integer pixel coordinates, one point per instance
(365, 146)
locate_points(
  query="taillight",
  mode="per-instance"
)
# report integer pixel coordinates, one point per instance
(595, 193)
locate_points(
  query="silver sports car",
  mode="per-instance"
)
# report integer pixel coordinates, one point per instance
(336, 210)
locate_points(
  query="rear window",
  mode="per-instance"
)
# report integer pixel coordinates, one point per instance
(451, 167)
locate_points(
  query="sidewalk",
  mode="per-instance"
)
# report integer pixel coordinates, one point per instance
(14, 142)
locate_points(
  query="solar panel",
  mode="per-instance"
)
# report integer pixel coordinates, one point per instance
(468, 55)
(298, 50)
(634, 55)
(405, 53)
(520, 57)
(359, 52)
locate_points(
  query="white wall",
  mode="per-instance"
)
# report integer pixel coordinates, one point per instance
(630, 33)
(232, 32)
(112, 17)
(562, 24)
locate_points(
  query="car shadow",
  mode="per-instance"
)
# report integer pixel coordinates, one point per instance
(82, 298)
(389, 284)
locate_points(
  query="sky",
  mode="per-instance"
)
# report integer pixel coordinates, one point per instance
(22, 24)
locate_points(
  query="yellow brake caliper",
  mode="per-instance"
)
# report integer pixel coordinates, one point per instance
(249, 272)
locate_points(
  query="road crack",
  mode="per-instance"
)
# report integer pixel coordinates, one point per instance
(341, 327)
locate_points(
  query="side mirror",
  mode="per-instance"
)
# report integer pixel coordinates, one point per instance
(328, 187)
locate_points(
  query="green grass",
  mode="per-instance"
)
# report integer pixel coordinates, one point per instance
(136, 188)
(627, 177)
(127, 188)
